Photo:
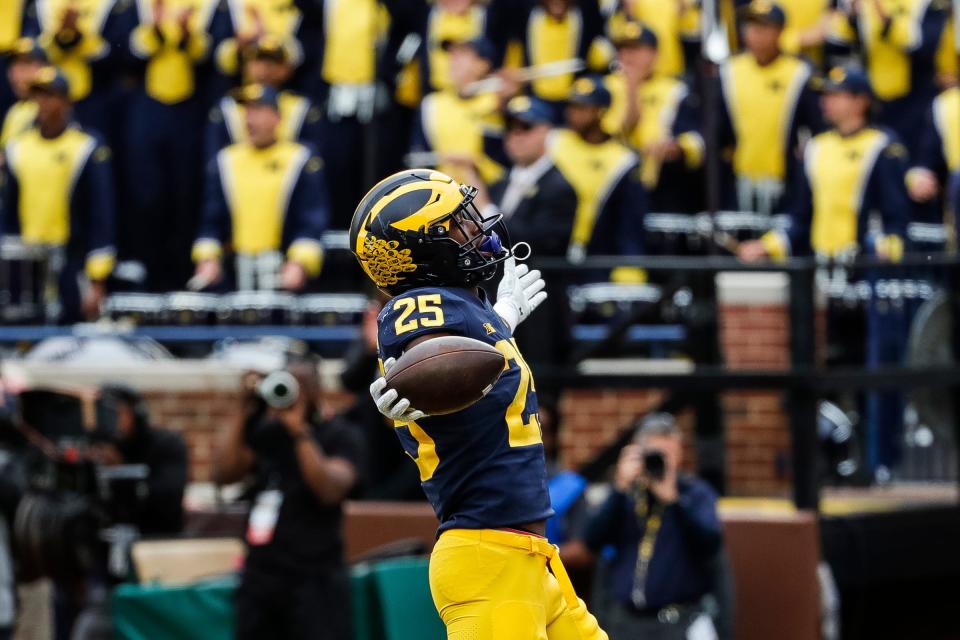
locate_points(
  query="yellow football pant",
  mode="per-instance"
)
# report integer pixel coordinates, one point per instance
(495, 585)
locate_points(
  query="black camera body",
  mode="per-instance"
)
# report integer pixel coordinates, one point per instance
(654, 464)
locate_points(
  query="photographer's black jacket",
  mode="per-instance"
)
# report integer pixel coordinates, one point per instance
(307, 534)
(165, 455)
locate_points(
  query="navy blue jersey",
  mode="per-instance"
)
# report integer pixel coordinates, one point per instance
(482, 467)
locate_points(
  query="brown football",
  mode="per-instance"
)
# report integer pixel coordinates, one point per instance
(446, 374)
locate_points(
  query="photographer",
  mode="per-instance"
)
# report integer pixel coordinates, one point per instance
(133, 440)
(294, 584)
(664, 528)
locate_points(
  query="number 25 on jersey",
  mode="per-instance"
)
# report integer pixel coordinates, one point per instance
(427, 307)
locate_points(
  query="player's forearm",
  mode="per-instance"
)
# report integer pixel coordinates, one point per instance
(330, 479)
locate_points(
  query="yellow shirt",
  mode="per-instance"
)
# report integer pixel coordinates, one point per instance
(838, 169)
(46, 171)
(75, 62)
(802, 15)
(294, 111)
(169, 74)
(666, 19)
(281, 19)
(550, 40)
(946, 117)
(11, 17)
(593, 170)
(352, 30)
(452, 124)
(257, 184)
(19, 118)
(888, 54)
(761, 103)
(659, 98)
(443, 25)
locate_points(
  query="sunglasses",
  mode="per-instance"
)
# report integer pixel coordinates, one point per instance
(519, 126)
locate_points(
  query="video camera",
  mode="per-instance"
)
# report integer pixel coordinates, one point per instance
(73, 513)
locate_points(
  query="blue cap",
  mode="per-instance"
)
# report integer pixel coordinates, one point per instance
(529, 110)
(589, 90)
(28, 48)
(257, 94)
(849, 79)
(480, 45)
(765, 12)
(50, 79)
(633, 33)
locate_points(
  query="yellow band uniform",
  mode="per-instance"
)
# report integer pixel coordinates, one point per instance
(265, 200)
(60, 194)
(171, 53)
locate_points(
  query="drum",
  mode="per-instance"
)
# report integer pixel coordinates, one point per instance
(627, 320)
(684, 234)
(330, 309)
(187, 308)
(605, 302)
(28, 291)
(142, 309)
(677, 234)
(257, 308)
(744, 225)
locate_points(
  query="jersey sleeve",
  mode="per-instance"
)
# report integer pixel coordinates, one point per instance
(420, 312)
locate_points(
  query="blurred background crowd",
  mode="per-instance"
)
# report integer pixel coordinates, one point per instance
(218, 149)
(196, 163)
(159, 146)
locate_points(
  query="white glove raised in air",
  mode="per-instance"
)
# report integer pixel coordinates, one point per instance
(387, 399)
(520, 292)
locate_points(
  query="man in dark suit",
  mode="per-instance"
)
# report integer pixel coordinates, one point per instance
(539, 206)
(537, 202)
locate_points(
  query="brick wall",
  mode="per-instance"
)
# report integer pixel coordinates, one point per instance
(199, 415)
(754, 334)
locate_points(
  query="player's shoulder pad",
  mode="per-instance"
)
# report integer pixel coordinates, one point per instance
(422, 311)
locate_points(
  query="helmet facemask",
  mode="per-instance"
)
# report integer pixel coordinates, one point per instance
(476, 258)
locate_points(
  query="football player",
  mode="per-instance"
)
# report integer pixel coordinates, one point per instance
(493, 574)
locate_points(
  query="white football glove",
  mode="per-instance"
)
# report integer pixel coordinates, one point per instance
(520, 292)
(386, 399)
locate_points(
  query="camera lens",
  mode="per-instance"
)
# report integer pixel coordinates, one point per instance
(279, 390)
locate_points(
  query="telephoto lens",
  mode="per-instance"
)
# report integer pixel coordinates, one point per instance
(279, 390)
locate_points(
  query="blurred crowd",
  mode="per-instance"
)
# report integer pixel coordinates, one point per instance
(163, 144)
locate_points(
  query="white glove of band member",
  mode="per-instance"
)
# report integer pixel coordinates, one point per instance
(386, 399)
(520, 292)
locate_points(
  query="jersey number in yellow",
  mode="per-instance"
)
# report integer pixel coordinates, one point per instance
(427, 305)
(522, 433)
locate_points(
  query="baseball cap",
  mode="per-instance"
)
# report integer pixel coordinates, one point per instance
(529, 110)
(589, 90)
(633, 33)
(269, 47)
(257, 94)
(28, 48)
(50, 79)
(480, 45)
(848, 78)
(765, 12)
